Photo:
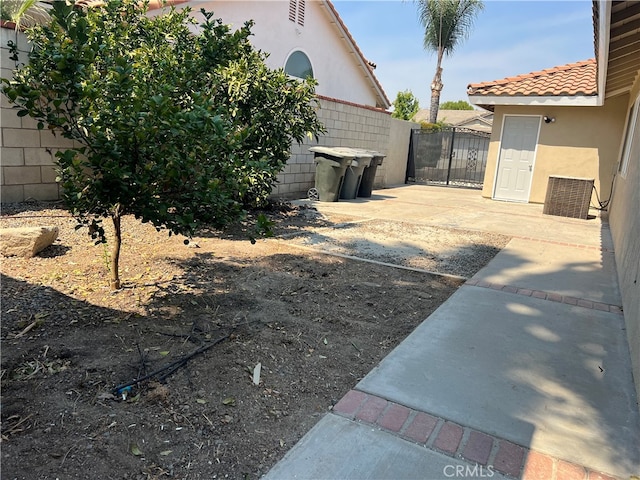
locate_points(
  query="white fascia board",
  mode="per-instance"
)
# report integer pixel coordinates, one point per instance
(555, 101)
(604, 31)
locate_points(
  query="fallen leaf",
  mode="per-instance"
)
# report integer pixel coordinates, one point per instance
(135, 450)
(230, 401)
(164, 353)
(201, 401)
(166, 452)
(325, 341)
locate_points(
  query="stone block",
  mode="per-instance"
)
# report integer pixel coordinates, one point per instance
(11, 157)
(4, 101)
(42, 191)
(37, 156)
(11, 194)
(48, 139)
(10, 118)
(29, 122)
(48, 174)
(26, 241)
(21, 175)
(18, 137)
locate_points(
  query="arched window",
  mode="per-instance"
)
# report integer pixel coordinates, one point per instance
(298, 65)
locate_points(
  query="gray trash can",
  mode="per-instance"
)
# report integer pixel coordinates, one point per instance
(331, 165)
(353, 176)
(369, 175)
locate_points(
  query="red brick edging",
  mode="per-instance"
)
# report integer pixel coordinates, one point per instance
(552, 297)
(458, 441)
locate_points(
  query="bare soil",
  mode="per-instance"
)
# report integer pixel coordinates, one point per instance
(315, 324)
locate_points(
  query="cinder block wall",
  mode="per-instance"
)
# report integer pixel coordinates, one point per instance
(349, 125)
(26, 153)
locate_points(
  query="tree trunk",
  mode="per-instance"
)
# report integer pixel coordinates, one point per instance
(435, 104)
(115, 254)
(436, 88)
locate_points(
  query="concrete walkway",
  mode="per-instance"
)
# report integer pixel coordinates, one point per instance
(524, 372)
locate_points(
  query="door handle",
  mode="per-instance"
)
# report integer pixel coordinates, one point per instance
(531, 168)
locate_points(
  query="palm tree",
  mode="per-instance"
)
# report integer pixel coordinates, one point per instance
(24, 13)
(446, 24)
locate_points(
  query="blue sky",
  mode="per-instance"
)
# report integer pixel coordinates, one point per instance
(508, 38)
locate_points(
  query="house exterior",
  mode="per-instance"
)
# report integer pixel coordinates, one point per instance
(479, 120)
(305, 37)
(308, 37)
(578, 120)
(301, 37)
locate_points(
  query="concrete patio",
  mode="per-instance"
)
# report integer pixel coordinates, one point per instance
(524, 372)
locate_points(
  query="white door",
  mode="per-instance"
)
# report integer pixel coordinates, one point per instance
(517, 154)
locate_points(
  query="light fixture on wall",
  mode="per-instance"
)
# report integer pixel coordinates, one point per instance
(549, 119)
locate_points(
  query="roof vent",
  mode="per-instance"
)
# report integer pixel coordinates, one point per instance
(568, 197)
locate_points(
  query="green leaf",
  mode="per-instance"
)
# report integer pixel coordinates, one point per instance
(133, 448)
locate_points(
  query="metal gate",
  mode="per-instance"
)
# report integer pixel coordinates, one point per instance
(453, 156)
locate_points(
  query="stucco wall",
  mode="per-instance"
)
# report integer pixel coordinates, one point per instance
(334, 67)
(624, 220)
(582, 142)
(395, 165)
(349, 125)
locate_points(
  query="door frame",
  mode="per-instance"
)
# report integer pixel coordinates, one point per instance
(533, 164)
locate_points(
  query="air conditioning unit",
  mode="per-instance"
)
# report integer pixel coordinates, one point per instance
(568, 197)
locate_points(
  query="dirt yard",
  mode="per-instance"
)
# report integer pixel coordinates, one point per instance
(245, 346)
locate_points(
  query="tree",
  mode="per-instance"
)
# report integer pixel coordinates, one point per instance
(179, 130)
(458, 105)
(23, 13)
(446, 24)
(405, 106)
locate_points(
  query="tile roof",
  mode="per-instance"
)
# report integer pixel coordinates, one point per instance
(567, 80)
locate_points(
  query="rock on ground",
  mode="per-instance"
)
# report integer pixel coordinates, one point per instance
(26, 241)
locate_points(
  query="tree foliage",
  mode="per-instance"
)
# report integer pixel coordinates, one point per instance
(457, 105)
(180, 130)
(447, 24)
(23, 13)
(405, 106)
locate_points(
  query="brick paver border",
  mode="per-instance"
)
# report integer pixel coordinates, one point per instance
(552, 297)
(447, 437)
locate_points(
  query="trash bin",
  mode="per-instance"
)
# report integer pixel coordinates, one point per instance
(369, 175)
(353, 175)
(331, 165)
